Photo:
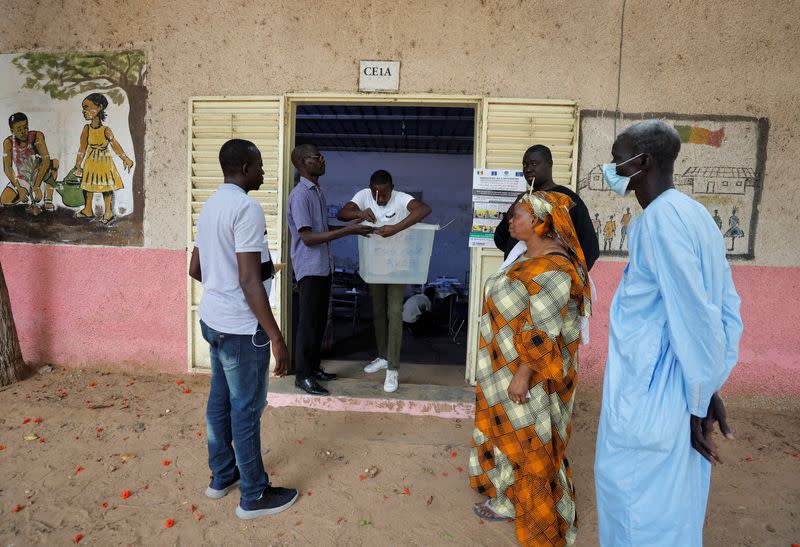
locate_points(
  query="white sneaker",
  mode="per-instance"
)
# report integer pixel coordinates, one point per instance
(392, 381)
(376, 365)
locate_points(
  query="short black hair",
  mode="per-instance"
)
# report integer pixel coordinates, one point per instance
(17, 117)
(542, 149)
(381, 176)
(98, 99)
(430, 292)
(235, 153)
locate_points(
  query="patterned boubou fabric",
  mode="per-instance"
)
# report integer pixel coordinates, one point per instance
(531, 316)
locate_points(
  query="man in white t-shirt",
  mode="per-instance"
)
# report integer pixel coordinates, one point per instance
(237, 322)
(393, 212)
(417, 311)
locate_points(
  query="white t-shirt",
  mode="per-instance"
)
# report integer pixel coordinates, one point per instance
(229, 223)
(414, 307)
(395, 210)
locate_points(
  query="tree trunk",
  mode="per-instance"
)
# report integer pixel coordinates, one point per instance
(12, 367)
(137, 98)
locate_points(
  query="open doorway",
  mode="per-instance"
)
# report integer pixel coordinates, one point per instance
(429, 152)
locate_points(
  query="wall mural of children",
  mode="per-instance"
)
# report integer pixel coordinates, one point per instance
(98, 172)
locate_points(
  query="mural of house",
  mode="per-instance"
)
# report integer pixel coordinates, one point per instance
(718, 180)
(594, 180)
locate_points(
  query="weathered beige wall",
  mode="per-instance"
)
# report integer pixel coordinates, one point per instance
(693, 57)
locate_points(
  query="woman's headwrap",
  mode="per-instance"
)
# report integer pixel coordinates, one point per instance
(552, 208)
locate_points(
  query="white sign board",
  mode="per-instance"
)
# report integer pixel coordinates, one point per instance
(379, 76)
(493, 192)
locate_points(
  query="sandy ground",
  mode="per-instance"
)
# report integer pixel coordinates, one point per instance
(93, 435)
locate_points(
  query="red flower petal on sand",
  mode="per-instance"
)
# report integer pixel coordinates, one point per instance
(37, 420)
(77, 538)
(187, 391)
(170, 523)
(460, 469)
(41, 439)
(362, 477)
(26, 421)
(2, 447)
(104, 505)
(445, 474)
(125, 494)
(93, 384)
(748, 459)
(178, 382)
(166, 463)
(198, 516)
(17, 508)
(99, 429)
(78, 469)
(406, 491)
(193, 508)
(340, 520)
(454, 454)
(308, 493)
(199, 433)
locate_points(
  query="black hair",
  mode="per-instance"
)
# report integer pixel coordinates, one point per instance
(381, 176)
(430, 292)
(542, 149)
(234, 154)
(98, 99)
(17, 117)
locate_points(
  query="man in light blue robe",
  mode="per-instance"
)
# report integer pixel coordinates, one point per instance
(674, 332)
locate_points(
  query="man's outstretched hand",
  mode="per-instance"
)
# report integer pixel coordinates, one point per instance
(702, 429)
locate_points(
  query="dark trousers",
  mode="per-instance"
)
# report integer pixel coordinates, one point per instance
(315, 296)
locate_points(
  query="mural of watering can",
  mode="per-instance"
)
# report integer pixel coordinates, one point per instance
(69, 189)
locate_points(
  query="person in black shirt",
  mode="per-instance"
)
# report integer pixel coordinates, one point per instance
(537, 166)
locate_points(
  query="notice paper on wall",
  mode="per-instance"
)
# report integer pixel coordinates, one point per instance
(493, 192)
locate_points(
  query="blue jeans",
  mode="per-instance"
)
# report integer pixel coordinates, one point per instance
(239, 377)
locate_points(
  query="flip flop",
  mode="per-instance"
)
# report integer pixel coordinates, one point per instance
(81, 214)
(477, 510)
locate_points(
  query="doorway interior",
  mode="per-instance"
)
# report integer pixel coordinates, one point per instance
(430, 153)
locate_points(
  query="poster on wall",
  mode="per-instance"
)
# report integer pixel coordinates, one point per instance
(721, 165)
(73, 151)
(493, 192)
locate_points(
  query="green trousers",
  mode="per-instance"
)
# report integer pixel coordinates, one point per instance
(387, 311)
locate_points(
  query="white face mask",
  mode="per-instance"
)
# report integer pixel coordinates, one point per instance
(618, 183)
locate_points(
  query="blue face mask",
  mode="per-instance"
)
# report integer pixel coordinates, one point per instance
(618, 183)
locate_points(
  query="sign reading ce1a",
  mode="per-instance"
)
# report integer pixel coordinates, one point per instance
(379, 76)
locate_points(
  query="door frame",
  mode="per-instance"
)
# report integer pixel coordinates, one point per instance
(291, 102)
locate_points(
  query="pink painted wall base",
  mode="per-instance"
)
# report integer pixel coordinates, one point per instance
(126, 308)
(80, 306)
(769, 354)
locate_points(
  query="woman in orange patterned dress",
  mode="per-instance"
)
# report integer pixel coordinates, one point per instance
(530, 330)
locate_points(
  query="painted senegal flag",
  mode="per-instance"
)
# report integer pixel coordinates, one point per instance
(694, 134)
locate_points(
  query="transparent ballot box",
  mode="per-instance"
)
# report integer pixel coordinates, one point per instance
(402, 258)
